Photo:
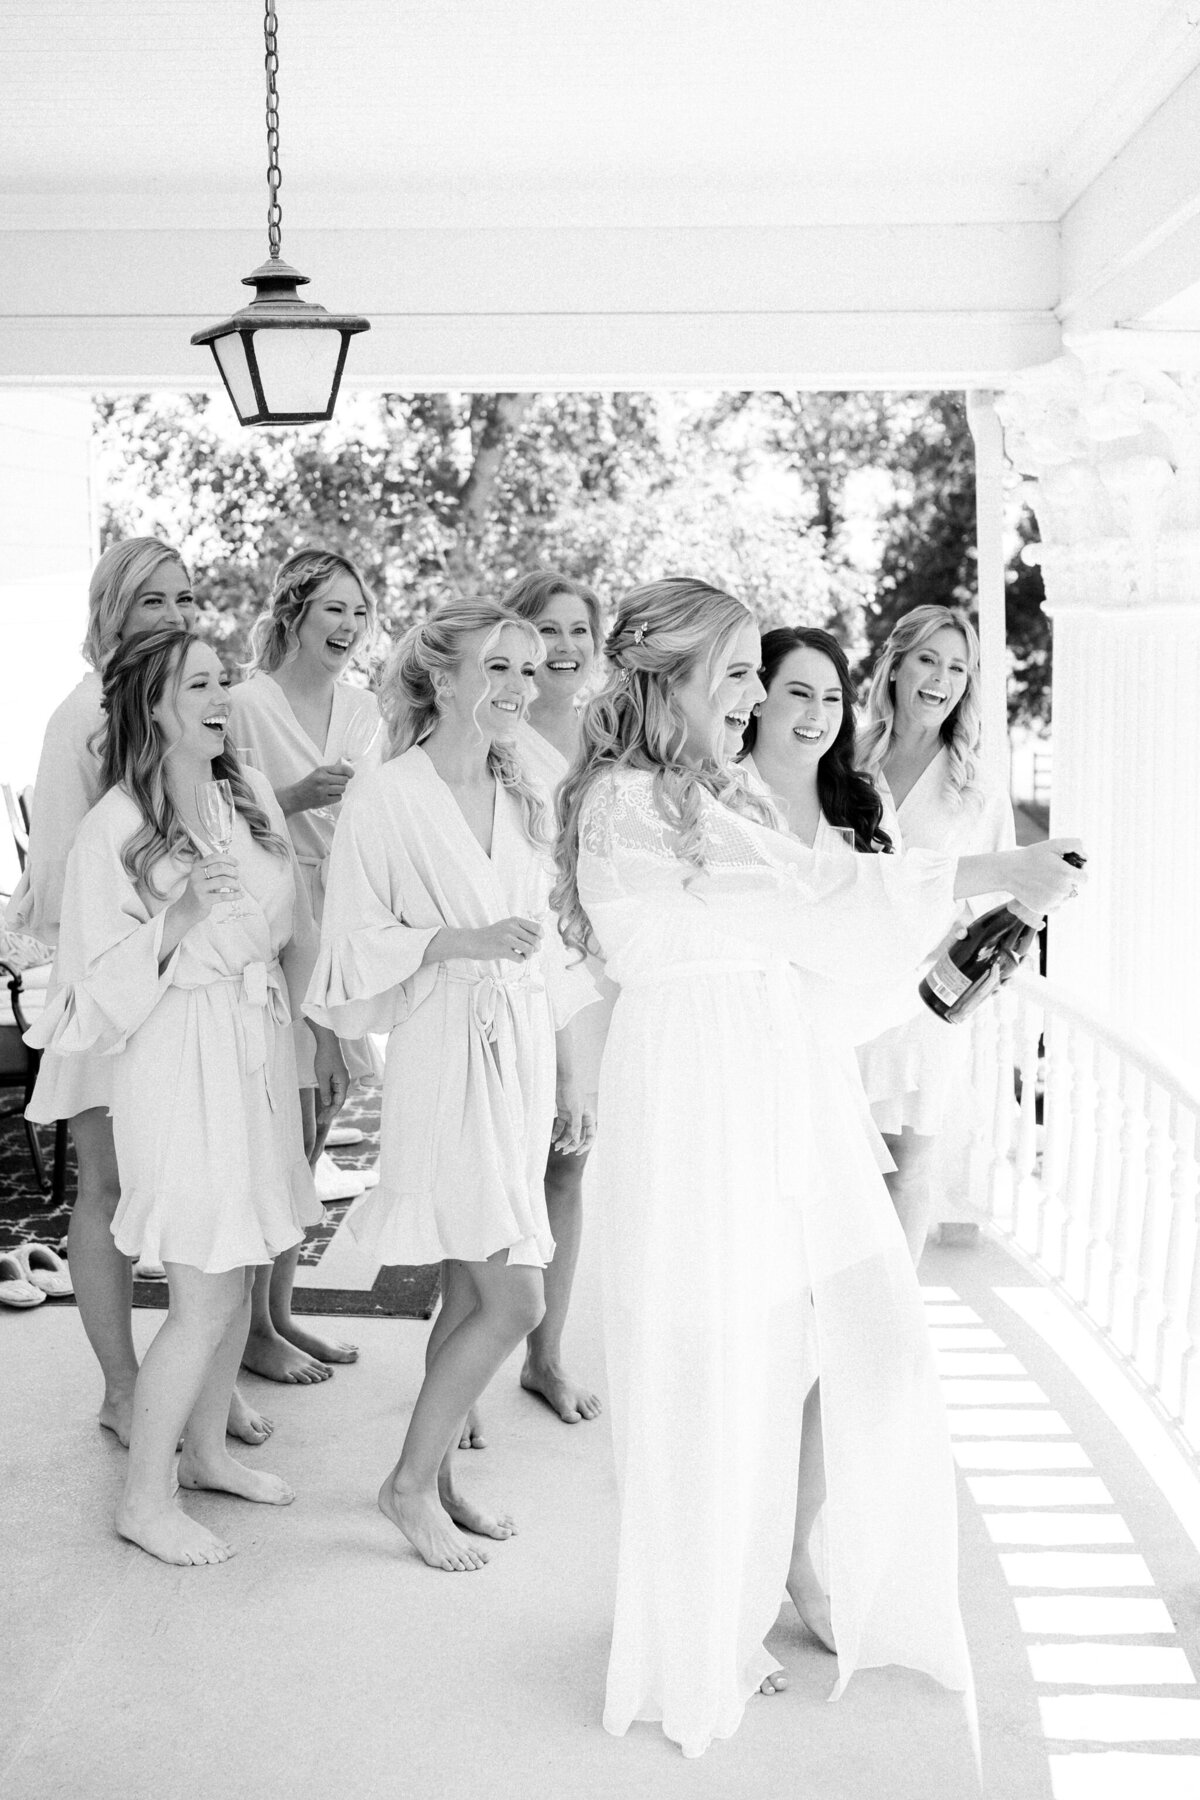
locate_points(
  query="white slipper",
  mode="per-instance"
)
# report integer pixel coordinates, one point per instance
(45, 1269)
(148, 1271)
(14, 1289)
(343, 1135)
(335, 1183)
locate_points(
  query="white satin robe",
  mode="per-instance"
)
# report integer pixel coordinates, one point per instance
(206, 1112)
(468, 1090)
(261, 720)
(67, 787)
(748, 1245)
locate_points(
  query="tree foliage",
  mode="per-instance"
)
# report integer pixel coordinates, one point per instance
(837, 509)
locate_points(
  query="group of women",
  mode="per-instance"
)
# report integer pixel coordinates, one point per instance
(695, 871)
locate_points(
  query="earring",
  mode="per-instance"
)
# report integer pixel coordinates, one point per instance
(757, 710)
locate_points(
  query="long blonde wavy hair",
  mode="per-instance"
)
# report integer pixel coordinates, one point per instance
(114, 588)
(299, 580)
(960, 730)
(408, 694)
(133, 747)
(662, 632)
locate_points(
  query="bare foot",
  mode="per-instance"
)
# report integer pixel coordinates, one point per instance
(811, 1601)
(116, 1415)
(225, 1476)
(245, 1423)
(429, 1530)
(471, 1517)
(321, 1349)
(472, 1433)
(169, 1534)
(564, 1396)
(774, 1683)
(269, 1355)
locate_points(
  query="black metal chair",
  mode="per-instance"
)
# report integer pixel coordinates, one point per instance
(18, 1068)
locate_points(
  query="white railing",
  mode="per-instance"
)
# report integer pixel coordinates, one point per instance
(1085, 1161)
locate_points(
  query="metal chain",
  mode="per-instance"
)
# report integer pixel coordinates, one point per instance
(274, 176)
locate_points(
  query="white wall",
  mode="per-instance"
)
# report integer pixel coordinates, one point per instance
(47, 549)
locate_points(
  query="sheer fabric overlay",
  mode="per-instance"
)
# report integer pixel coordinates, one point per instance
(748, 1244)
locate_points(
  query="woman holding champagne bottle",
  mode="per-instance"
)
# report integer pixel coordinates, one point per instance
(183, 925)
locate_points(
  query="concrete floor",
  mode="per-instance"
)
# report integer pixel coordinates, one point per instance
(325, 1661)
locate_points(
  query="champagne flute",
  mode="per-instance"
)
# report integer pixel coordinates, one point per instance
(214, 807)
(358, 736)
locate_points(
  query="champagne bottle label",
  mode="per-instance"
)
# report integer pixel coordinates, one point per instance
(947, 981)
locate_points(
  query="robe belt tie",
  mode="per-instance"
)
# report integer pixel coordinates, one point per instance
(488, 993)
(262, 990)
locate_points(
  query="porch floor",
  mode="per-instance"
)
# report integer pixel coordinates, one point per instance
(325, 1661)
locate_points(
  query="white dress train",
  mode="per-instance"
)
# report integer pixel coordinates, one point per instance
(748, 1245)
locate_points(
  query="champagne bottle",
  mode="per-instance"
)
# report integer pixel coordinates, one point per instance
(975, 965)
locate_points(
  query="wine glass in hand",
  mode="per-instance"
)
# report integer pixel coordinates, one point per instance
(215, 811)
(358, 736)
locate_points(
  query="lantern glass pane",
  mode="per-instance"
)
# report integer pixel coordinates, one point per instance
(297, 367)
(230, 353)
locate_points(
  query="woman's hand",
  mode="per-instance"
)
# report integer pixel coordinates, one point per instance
(211, 880)
(322, 787)
(333, 1083)
(508, 940)
(574, 1119)
(1037, 876)
(1040, 879)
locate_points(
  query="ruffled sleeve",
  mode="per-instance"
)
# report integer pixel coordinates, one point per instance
(369, 973)
(109, 946)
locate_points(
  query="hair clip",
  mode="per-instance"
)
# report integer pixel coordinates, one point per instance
(640, 631)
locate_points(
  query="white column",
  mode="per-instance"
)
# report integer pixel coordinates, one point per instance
(989, 540)
(47, 549)
(1114, 459)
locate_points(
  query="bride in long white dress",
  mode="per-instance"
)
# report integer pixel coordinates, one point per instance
(748, 1243)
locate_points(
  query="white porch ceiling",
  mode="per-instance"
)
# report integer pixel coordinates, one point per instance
(515, 188)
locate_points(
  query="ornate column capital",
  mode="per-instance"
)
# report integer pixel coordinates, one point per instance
(1112, 462)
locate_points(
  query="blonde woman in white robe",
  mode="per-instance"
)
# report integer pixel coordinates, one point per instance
(174, 967)
(434, 932)
(920, 744)
(307, 727)
(748, 1244)
(567, 617)
(138, 585)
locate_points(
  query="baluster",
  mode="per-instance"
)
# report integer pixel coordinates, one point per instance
(1080, 1162)
(1189, 1368)
(1056, 1112)
(1127, 1224)
(1098, 1255)
(984, 1161)
(1148, 1297)
(1028, 1033)
(1172, 1329)
(1004, 1099)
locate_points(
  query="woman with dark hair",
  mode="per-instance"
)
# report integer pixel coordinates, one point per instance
(174, 963)
(748, 1244)
(138, 585)
(800, 742)
(307, 726)
(566, 615)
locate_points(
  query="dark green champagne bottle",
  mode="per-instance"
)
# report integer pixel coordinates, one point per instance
(974, 966)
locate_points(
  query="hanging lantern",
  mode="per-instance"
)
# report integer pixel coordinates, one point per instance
(281, 358)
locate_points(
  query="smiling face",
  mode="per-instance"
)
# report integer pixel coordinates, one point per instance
(930, 681)
(566, 630)
(804, 708)
(718, 715)
(333, 625)
(193, 713)
(491, 700)
(164, 598)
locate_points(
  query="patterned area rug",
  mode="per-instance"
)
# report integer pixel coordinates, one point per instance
(27, 1216)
